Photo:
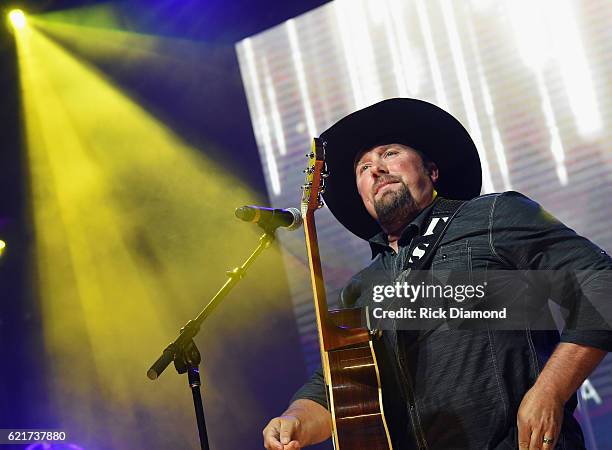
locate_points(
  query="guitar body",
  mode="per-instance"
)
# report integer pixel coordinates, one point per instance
(357, 401)
(348, 359)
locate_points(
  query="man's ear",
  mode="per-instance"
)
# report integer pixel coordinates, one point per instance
(432, 171)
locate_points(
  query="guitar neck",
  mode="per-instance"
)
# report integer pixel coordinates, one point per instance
(353, 388)
(331, 336)
(325, 327)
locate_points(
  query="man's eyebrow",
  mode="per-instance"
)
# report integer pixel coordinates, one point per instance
(360, 162)
(360, 156)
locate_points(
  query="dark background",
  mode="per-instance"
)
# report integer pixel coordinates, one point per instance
(217, 25)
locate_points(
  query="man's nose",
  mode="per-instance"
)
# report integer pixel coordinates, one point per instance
(378, 168)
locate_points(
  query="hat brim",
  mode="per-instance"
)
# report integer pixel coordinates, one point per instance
(415, 123)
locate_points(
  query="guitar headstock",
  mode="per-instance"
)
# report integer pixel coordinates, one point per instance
(316, 172)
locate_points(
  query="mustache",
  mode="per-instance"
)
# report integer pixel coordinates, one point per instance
(385, 179)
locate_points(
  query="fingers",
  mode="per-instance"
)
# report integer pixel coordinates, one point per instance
(548, 441)
(524, 435)
(287, 428)
(271, 435)
(542, 440)
(535, 438)
(544, 434)
(280, 434)
(535, 442)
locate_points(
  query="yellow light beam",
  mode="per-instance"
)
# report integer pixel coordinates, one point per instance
(133, 231)
(17, 19)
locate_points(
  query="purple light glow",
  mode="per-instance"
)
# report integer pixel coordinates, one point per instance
(54, 446)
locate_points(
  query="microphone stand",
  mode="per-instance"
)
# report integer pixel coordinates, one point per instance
(183, 350)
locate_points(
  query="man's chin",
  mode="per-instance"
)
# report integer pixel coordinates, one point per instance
(393, 204)
(387, 198)
(387, 203)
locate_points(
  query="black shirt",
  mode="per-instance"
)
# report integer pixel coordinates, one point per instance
(462, 389)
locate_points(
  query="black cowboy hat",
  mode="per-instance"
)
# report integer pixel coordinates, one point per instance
(411, 122)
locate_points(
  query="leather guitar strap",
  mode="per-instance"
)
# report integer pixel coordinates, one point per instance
(423, 247)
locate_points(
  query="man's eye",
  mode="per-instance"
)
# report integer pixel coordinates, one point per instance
(389, 153)
(363, 168)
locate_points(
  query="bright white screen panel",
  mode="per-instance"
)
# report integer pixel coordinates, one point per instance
(530, 80)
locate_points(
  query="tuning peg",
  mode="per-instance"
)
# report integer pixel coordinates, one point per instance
(324, 174)
(310, 155)
(321, 204)
(308, 170)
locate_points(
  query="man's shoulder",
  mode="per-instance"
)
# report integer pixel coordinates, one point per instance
(490, 213)
(509, 199)
(495, 196)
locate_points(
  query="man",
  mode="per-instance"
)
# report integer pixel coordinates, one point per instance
(462, 389)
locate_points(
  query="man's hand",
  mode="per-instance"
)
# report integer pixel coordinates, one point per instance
(281, 433)
(539, 416)
(304, 423)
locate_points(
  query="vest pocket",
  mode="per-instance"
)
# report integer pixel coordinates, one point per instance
(451, 257)
(451, 265)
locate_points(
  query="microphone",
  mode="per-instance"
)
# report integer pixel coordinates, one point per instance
(290, 218)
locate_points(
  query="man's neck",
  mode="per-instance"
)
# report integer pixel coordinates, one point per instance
(394, 235)
(393, 240)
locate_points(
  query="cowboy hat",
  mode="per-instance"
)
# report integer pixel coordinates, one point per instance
(415, 123)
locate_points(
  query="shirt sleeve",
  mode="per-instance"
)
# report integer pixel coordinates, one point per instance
(314, 389)
(578, 273)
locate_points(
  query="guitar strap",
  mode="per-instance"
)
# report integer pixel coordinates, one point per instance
(423, 247)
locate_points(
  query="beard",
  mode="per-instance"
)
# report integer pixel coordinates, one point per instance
(395, 206)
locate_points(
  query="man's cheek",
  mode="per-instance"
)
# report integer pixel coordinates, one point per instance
(365, 196)
(360, 189)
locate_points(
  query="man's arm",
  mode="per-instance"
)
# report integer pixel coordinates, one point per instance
(304, 423)
(526, 237)
(541, 411)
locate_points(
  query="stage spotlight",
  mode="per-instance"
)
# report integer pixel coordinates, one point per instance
(2, 246)
(17, 19)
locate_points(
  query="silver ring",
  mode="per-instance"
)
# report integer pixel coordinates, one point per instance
(548, 440)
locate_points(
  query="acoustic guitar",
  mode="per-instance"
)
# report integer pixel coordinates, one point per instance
(349, 364)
